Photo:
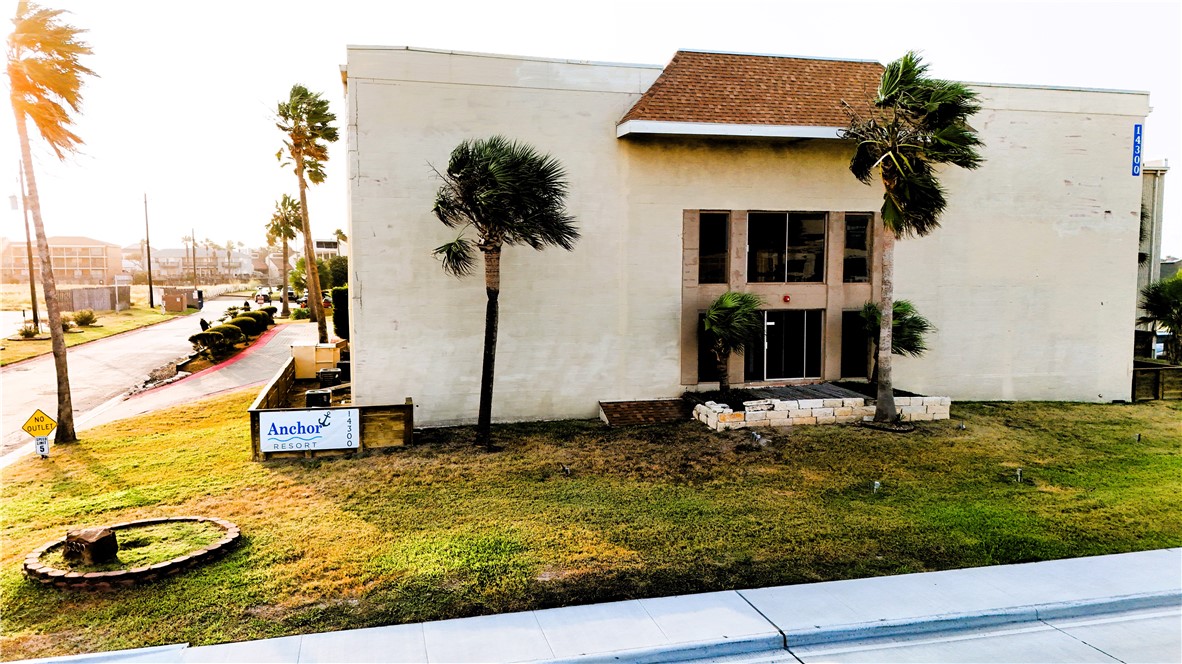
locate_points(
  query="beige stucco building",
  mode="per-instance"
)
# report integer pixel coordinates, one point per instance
(724, 171)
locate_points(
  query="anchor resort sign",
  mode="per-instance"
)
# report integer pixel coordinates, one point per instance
(300, 430)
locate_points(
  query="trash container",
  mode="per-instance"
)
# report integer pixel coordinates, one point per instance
(346, 374)
(318, 398)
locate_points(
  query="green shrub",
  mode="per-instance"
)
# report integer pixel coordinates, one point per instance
(249, 326)
(231, 312)
(67, 323)
(231, 333)
(270, 310)
(262, 317)
(208, 344)
(28, 332)
(340, 311)
(85, 317)
(300, 313)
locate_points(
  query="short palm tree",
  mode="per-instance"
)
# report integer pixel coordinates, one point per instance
(508, 194)
(305, 120)
(1162, 303)
(914, 124)
(45, 73)
(731, 321)
(909, 336)
(284, 224)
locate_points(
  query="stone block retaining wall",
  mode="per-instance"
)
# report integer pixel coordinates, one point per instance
(777, 413)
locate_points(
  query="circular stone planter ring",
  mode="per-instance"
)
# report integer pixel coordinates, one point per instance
(35, 569)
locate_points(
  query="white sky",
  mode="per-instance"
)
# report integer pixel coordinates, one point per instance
(184, 106)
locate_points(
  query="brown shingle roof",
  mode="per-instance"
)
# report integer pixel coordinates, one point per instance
(731, 88)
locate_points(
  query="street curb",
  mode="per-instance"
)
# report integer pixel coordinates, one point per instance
(683, 652)
(955, 622)
(944, 623)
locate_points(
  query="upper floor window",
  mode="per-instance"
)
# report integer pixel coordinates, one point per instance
(786, 246)
(856, 264)
(713, 231)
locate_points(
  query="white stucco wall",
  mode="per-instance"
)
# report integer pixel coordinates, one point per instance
(1031, 280)
(1032, 276)
(568, 319)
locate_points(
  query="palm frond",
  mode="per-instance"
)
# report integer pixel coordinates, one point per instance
(45, 74)
(508, 192)
(732, 320)
(458, 257)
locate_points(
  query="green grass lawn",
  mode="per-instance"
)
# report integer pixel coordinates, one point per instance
(109, 323)
(442, 529)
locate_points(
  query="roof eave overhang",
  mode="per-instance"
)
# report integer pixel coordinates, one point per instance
(658, 127)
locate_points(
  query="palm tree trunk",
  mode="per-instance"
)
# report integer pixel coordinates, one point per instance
(286, 313)
(65, 405)
(492, 286)
(312, 275)
(884, 410)
(724, 382)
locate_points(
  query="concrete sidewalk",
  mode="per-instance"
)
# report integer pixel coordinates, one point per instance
(769, 624)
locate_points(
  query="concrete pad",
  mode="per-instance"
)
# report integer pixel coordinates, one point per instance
(807, 610)
(395, 643)
(708, 616)
(1077, 579)
(576, 631)
(1142, 636)
(157, 655)
(1039, 643)
(283, 649)
(509, 637)
(986, 596)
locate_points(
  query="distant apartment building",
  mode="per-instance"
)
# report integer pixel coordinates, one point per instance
(177, 264)
(75, 260)
(326, 249)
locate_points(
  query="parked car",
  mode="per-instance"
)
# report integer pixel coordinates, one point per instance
(326, 300)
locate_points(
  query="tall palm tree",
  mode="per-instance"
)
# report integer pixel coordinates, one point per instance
(45, 77)
(509, 194)
(909, 336)
(1162, 303)
(730, 322)
(284, 224)
(305, 119)
(340, 236)
(914, 123)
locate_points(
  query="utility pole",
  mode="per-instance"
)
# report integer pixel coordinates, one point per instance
(193, 244)
(29, 251)
(148, 246)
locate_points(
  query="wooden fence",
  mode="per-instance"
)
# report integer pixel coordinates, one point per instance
(1156, 381)
(381, 426)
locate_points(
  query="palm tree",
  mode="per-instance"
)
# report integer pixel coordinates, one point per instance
(1162, 303)
(731, 321)
(45, 77)
(284, 224)
(907, 338)
(340, 236)
(307, 123)
(914, 123)
(509, 194)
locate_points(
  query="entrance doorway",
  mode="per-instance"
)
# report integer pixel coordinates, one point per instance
(790, 348)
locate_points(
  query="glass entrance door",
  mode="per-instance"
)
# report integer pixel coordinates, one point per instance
(790, 348)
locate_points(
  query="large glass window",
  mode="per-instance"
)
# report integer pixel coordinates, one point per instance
(786, 247)
(765, 246)
(713, 231)
(856, 266)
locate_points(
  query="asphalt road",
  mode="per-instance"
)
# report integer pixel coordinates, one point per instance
(99, 370)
